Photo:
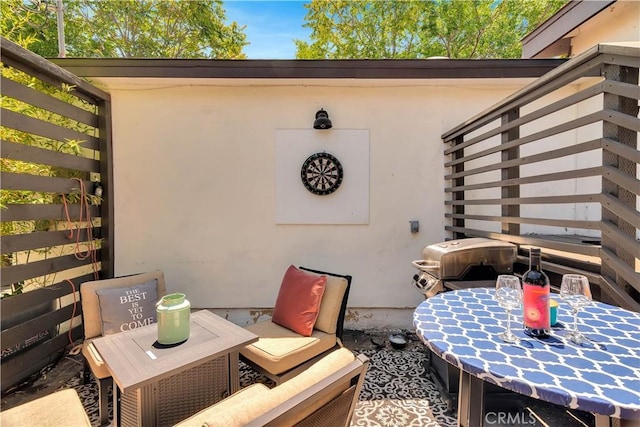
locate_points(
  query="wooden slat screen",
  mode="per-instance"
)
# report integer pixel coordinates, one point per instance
(569, 142)
(56, 233)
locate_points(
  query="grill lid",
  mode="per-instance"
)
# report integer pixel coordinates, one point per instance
(456, 257)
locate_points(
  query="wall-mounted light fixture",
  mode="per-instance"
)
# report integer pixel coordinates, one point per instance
(322, 120)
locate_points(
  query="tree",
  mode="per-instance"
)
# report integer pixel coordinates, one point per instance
(128, 28)
(420, 29)
(360, 29)
(21, 22)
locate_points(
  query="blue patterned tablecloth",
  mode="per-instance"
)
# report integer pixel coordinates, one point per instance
(601, 376)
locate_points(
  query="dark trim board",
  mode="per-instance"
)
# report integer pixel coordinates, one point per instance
(316, 69)
(549, 36)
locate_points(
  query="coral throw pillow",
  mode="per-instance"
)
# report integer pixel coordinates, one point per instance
(298, 302)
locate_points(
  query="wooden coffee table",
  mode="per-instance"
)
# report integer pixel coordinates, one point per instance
(160, 385)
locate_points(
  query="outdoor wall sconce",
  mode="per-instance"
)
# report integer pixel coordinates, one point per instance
(322, 120)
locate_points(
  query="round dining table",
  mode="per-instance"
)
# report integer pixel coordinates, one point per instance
(601, 375)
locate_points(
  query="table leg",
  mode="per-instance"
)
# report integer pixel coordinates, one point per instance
(234, 371)
(470, 400)
(115, 394)
(606, 421)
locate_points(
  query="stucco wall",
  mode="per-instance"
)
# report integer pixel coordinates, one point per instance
(617, 23)
(194, 168)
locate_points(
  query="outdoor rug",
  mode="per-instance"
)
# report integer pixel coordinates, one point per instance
(396, 392)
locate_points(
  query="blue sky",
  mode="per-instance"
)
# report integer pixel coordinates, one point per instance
(271, 26)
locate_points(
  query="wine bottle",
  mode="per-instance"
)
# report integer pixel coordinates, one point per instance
(535, 298)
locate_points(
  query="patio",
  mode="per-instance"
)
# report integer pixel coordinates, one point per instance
(397, 392)
(552, 164)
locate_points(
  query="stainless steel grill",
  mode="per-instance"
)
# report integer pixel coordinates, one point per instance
(455, 264)
(455, 260)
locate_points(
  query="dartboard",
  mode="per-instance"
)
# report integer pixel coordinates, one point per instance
(321, 173)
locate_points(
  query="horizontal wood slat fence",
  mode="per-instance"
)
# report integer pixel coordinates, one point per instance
(555, 166)
(55, 140)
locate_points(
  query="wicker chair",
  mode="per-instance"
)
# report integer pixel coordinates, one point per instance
(92, 321)
(323, 395)
(281, 353)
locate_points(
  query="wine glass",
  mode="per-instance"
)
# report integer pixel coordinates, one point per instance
(575, 290)
(509, 296)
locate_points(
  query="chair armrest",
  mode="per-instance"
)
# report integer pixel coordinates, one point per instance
(223, 411)
(94, 354)
(300, 406)
(94, 361)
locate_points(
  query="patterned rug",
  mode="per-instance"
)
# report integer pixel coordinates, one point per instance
(396, 392)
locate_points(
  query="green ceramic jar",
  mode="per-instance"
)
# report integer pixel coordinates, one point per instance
(173, 315)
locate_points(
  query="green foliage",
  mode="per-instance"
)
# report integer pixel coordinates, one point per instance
(359, 29)
(9, 197)
(126, 28)
(343, 29)
(19, 23)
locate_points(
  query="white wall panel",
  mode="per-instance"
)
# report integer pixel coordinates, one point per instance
(349, 204)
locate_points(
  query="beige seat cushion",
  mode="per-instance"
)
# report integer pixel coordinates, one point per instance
(330, 305)
(242, 407)
(280, 349)
(62, 408)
